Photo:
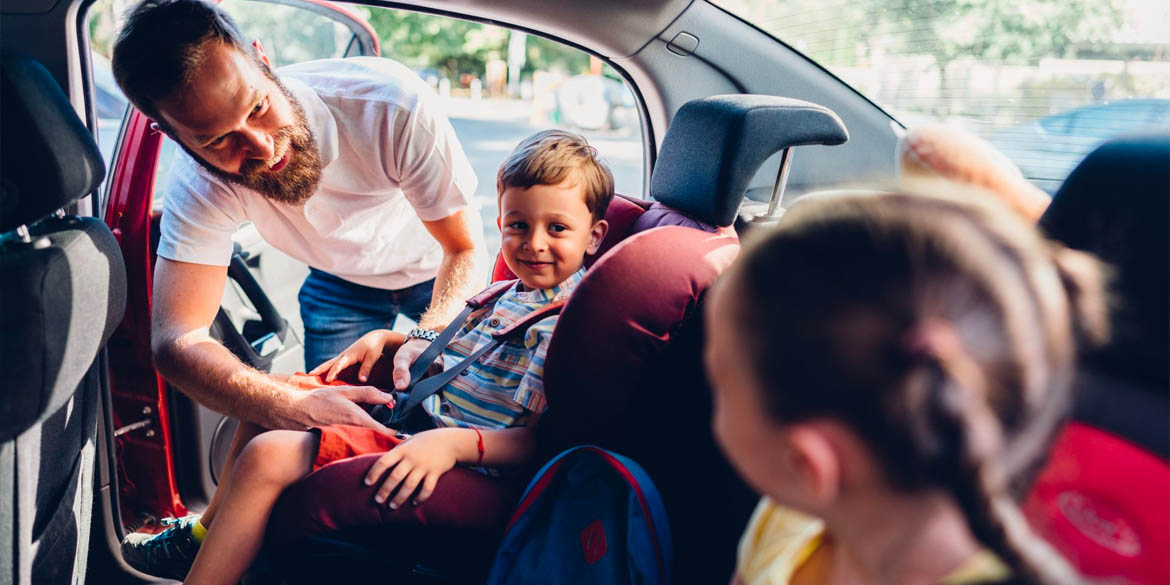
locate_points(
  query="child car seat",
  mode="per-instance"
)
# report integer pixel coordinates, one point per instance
(1104, 498)
(623, 369)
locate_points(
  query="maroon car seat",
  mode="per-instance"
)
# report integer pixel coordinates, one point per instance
(623, 368)
(1104, 498)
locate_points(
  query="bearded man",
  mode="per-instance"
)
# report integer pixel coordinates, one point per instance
(348, 165)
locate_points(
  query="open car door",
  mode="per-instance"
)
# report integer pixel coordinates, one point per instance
(161, 452)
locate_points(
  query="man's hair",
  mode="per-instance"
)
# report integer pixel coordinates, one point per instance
(553, 156)
(162, 44)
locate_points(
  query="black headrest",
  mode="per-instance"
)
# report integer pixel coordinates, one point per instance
(48, 158)
(715, 145)
(1116, 204)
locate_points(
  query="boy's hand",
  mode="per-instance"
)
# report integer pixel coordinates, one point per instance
(421, 459)
(365, 351)
(404, 357)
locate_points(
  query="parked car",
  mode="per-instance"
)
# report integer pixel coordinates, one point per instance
(1048, 148)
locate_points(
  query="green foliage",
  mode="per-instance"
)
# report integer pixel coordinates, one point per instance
(457, 47)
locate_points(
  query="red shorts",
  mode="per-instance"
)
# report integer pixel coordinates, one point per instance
(339, 442)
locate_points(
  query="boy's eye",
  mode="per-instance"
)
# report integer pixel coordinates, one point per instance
(558, 228)
(517, 225)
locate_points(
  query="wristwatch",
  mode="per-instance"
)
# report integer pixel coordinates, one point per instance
(426, 334)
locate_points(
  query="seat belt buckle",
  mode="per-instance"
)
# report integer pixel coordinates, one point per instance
(387, 415)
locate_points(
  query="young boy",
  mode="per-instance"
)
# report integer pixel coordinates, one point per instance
(553, 192)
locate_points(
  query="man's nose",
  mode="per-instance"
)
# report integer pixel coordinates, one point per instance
(259, 144)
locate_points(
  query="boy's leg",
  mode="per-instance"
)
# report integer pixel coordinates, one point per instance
(245, 432)
(270, 463)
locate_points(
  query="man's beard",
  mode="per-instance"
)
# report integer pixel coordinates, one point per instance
(297, 181)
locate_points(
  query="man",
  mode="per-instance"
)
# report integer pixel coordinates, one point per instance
(346, 165)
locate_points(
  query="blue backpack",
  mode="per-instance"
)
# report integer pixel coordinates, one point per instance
(589, 516)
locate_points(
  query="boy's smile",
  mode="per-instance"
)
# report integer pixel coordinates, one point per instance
(546, 230)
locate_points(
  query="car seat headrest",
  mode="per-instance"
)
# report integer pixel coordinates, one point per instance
(622, 318)
(1116, 205)
(715, 145)
(48, 158)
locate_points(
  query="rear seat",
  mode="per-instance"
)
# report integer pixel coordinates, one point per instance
(1103, 498)
(623, 369)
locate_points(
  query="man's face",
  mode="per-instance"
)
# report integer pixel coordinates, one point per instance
(546, 230)
(243, 126)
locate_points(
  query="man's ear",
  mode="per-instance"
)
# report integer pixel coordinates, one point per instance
(260, 52)
(816, 463)
(597, 235)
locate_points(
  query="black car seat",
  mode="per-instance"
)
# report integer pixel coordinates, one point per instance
(623, 368)
(1104, 498)
(63, 291)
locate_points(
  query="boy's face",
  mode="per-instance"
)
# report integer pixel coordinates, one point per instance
(546, 231)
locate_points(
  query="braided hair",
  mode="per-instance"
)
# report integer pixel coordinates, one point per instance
(942, 329)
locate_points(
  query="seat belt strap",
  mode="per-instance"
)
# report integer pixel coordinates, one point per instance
(427, 387)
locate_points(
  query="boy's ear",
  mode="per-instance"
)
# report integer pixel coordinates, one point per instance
(815, 462)
(597, 235)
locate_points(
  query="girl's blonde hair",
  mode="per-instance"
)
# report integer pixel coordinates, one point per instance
(943, 330)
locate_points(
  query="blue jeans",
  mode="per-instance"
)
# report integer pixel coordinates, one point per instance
(337, 312)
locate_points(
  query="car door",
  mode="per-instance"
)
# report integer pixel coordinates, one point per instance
(151, 426)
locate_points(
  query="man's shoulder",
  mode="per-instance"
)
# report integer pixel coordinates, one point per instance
(360, 78)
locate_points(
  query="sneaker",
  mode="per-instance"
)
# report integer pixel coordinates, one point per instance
(168, 554)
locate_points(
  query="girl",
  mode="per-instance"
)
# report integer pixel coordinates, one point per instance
(889, 370)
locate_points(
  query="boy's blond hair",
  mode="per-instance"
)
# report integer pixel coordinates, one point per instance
(552, 156)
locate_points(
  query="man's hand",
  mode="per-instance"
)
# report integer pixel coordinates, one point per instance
(337, 405)
(404, 357)
(365, 351)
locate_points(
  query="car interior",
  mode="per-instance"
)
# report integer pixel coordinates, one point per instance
(735, 126)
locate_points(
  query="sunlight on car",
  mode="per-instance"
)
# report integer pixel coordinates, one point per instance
(1046, 81)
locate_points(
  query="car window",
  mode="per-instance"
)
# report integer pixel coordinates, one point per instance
(1044, 80)
(498, 85)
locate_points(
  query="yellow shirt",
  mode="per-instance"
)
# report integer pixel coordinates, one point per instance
(779, 540)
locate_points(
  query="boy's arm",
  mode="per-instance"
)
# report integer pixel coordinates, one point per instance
(418, 463)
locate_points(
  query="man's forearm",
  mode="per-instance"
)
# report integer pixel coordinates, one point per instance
(459, 278)
(211, 375)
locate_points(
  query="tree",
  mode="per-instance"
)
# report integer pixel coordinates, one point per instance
(1001, 31)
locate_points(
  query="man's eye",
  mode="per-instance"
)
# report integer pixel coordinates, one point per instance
(218, 142)
(260, 106)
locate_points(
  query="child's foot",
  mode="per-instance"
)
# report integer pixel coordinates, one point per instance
(168, 554)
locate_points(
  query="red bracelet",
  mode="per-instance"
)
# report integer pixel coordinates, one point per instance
(479, 445)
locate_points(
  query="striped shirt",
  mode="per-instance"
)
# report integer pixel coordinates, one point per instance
(505, 387)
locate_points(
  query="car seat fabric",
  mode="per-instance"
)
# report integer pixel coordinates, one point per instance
(1102, 502)
(1116, 205)
(1102, 498)
(63, 291)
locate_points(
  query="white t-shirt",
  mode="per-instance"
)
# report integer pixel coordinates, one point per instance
(389, 158)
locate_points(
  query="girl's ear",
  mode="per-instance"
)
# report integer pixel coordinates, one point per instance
(816, 463)
(597, 235)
